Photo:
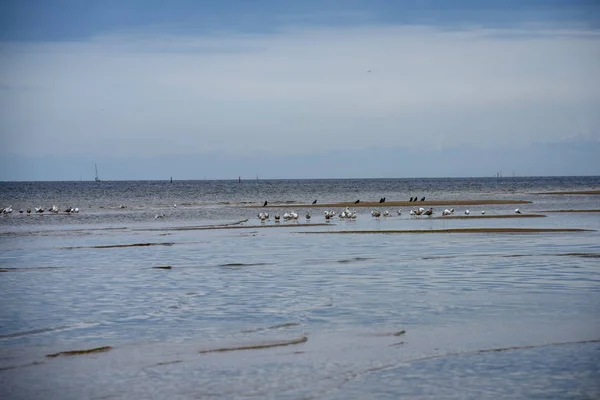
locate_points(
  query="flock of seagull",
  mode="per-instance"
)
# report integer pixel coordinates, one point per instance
(40, 210)
(349, 214)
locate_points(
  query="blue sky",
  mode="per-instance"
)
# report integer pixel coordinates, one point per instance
(269, 87)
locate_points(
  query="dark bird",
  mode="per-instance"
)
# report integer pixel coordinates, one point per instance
(264, 205)
(410, 201)
(423, 198)
(315, 202)
(357, 201)
(382, 200)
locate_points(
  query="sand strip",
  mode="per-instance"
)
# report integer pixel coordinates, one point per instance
(80, 352)
(460, 230)
(570, 211)
(399, 204)
(487, 216)
(258, 346)
(113, 246)
(573, 192)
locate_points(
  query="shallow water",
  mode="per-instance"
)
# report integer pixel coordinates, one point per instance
(455, 295)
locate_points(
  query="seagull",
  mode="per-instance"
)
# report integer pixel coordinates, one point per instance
(399, 212)
(386, 213)
(482, 212)
(174, 205)
(466, 212)
(429, 212)
(159, 216)
(517, 211)
(308, 216)
(446, 212)
(315, 202)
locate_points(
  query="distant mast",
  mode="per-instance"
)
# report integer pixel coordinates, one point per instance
(171, 179)
(97, 179)
(239, 179)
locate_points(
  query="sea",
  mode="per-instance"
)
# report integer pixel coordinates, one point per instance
(160, 290)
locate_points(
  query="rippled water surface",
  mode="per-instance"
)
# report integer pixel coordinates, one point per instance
(404, 315)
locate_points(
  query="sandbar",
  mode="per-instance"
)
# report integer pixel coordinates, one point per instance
(80, 352)
(460, 230)
(267, 345)
(573, 192)
(487, 216)
(372, 204)
(570, 211)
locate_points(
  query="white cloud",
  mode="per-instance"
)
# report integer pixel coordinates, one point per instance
(298, 91)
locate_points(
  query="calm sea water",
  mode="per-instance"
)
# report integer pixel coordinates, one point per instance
(485, 316)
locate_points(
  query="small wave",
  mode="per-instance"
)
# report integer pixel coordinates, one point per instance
(47, 330)
(31, 364)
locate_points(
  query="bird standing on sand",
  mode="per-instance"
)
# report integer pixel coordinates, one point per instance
(264, 205)
(423, 198)
(410, 201)
(357, 201)
(429, 212)
(315, 202)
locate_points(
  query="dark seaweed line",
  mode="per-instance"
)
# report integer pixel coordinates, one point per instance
(113, 246)
(583, 255)
(302, 339)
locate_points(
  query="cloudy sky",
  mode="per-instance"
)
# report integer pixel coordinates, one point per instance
(310, 89)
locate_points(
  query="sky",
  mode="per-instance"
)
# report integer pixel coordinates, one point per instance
(151, 89)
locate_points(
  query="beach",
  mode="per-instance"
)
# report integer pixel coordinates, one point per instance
(211, 302)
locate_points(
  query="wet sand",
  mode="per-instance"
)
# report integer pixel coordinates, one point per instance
(372, 204)
(487, 216)
(592, 192)
(460, 230)
(570, 211)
